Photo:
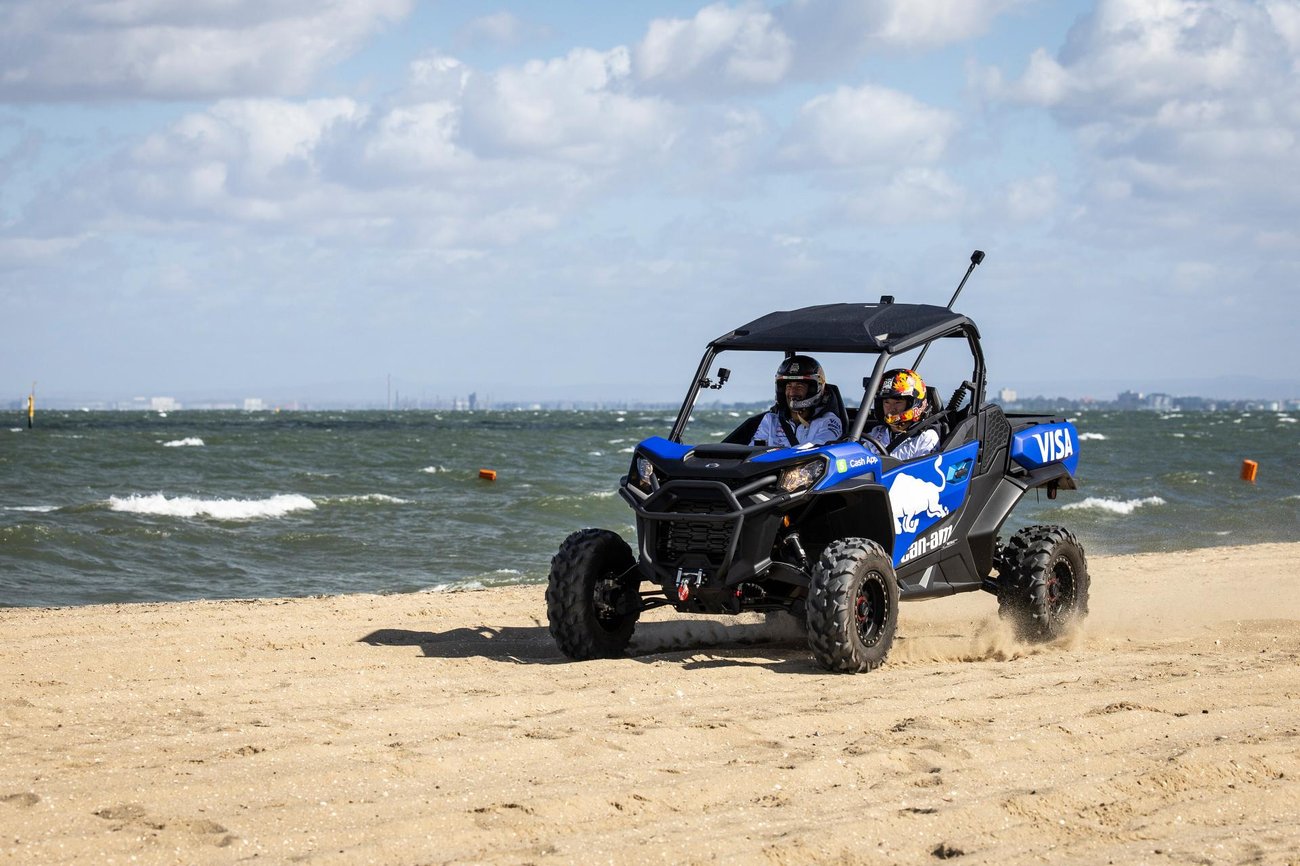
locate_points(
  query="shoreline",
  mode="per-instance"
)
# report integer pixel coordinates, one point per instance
(449, 589)
(444, 727)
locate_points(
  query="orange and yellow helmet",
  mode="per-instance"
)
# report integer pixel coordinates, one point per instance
(905, 385)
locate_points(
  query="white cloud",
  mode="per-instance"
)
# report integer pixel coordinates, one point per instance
(1181, 104)
(499, 28)
(727, 48)
(866, 127)
(913, 195)
(576, 109)
(831, 35)
(75, 49)
(721, 46)
(934, 22)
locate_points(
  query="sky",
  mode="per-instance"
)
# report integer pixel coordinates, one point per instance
(331, 199)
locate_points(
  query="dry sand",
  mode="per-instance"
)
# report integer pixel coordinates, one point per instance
(445, 728)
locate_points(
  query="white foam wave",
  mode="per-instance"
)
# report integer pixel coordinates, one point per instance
(1285, 419)
(467, 586)
(188, 442)
(434, 470)
(38, 509)
(628, 450)
(1114, 506)
(221, 509)
(595, 494)
(373, 497)
(1098, 436)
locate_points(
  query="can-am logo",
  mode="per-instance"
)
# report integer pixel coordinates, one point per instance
(927, 543)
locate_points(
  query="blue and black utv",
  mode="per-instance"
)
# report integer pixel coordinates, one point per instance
(838, 533)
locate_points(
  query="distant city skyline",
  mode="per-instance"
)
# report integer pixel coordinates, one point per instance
(584, 397)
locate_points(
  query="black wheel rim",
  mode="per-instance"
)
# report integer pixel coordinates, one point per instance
(605, 597)
(871, 608)
(1059, 590)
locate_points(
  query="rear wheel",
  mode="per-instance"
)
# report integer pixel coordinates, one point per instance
(852, 606)
(1042, 582)
(592, 595)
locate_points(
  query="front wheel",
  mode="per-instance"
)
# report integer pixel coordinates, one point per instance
(852, 606)
(592, 595)
(1042, 582)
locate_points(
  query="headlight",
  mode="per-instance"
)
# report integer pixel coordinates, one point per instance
(801, 477)
(645, 472)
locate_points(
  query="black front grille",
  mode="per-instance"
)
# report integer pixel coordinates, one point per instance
(678, 538)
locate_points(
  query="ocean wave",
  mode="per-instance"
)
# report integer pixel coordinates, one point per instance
(38, 509)
(1085, 436)
(1285, 419)
(434, 470)
(1114, 506)
(577, 497)
(370, 497)
(221, 509)
(188, 442)
(467, 586)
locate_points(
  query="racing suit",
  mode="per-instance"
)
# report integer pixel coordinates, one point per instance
(823, 428)
(920, 444)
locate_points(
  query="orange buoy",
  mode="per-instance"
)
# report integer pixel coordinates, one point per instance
(1248, 470)
(488, 474)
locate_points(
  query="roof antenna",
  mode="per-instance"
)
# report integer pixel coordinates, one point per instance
(975, 258)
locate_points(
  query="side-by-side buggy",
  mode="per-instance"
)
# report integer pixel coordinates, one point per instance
(840, 533)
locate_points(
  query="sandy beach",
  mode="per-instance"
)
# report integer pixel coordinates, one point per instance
(446, 728)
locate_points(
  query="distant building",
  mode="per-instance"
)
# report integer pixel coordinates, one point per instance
(254, 404)
(1159, 402)
(1129, 400)
(163, 404)
(1007, 395)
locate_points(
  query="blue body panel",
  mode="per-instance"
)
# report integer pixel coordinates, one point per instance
(658, 446)
(925, 492)
(1044, 444)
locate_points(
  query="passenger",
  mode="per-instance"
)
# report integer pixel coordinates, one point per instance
(902, 404)
(803, 412)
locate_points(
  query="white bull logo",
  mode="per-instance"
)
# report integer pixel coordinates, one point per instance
(912, 497)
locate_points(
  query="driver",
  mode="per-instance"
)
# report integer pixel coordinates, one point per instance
(802, 413)
(902, 403)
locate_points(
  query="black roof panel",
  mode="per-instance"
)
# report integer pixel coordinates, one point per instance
(846, 328)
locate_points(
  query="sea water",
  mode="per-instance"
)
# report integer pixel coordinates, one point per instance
(135, 506)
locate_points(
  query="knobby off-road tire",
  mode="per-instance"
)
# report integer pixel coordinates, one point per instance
(852, 606)
(582, 591)
(1043, 582)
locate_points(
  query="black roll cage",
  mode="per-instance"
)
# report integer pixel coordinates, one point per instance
(906, 343)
